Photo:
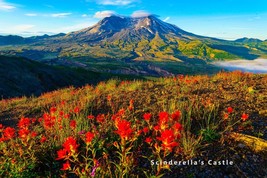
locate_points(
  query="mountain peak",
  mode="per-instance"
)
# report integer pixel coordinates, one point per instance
(117, 27)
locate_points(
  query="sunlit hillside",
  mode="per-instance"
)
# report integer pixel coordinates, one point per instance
(124, 128)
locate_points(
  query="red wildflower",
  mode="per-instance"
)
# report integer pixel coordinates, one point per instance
(24, 123)
(61, 113)
(121, 112)
(89, 137)
(76, 110)
(168, 140)
(9, 133)
(148, 140)
(90, 117)
(73, 124)
(34, 134)
(225, 116)
(178, 136)
(66, 166)
(163, 119)
(139, 132)
(156, 128)
(109, 98)
(43, 139)
(23, 133)
(131, 106)
(53, 110)
(163, 116)
(146, 130)
(63, 103)
(1, 126)
(33, 120)
(124, 129)
(147, 116)
(177, 127)
(2, 139)
(40, 120)
(70, 144)
(49, 121)
(188, 81)
(67, 116)
(244, 117)
(176, 115)
(61, 154)
(100, 118)
(229, 110)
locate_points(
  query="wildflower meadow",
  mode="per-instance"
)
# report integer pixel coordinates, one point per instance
(123, 128)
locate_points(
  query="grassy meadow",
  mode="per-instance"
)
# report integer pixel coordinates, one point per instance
(123, 128)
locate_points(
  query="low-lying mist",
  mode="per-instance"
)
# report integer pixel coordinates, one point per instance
(254, 66)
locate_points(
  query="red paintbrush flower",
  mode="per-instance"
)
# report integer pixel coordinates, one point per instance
(43, 139)
(146, 130)
(244, 117)
(163, 120)
(177, 128)
(73, 124)
(229, 110)
(24, 123)
(131, 105)
(53, 110)
(89, 137)
(62, 154)
(148, 140)
(61, 113)
(9, 133)
(109, 98)
(23, 133)
(176, 115)
(70, 144)
(147, 117)
(66, 166)
(168, 140)
(100, 118)
(156, 128)
(2, 139)
(76, 110)
(163, 117)
(90, 117)
(225, 116)
(124, 129)
(34, 134)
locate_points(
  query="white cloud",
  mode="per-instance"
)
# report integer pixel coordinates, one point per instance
(17, 29)
(140, 13)
(61, 14)
(84, 15)
(115, 2)
(103, 14)
(23, 27)
(6, 6)
(72, 28)
(31, 15)
(166, 19)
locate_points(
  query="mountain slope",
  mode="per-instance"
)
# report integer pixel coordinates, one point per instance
(20, 76)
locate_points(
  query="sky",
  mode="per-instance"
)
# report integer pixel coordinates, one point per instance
(224, 19)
